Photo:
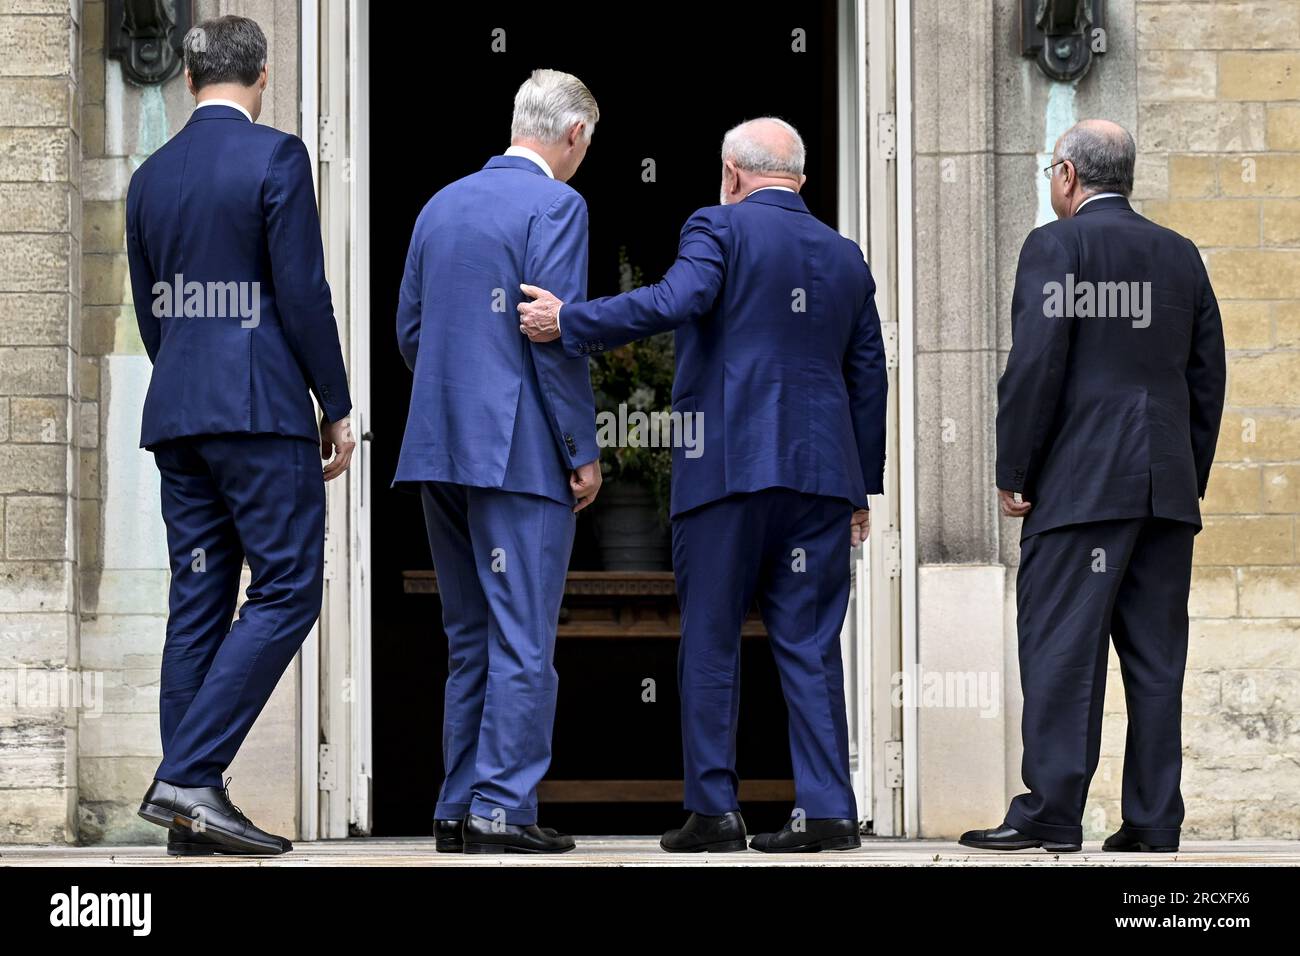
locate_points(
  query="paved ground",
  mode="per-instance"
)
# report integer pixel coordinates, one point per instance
(644, 851)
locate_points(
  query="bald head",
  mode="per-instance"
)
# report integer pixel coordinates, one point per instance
(1103, 155)
(758, 153)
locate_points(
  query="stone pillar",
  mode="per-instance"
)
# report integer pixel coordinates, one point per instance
(40, 279)
(985, 118)
(125, 572)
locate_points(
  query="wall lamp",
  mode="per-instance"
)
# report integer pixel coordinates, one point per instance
(145, 35)
(1063, 35)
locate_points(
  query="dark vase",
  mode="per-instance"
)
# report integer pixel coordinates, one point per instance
(628, 530)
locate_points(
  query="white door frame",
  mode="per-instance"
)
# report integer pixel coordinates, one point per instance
(875, 210)
(335, 715)
(869, 205)
(902, 45)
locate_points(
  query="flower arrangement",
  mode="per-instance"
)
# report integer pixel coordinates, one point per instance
(638, 375)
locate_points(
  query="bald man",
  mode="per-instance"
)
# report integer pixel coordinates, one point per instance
(1108, 415)
(779, 357)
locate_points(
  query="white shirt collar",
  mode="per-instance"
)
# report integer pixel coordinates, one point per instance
(231, 103)
(761, 188)
(1097, 196)
(527, 153)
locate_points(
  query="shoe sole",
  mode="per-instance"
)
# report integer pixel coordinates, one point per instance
(1025, 845)
(167, 818)
(830, 843)
(721, 846)
(173, 850)
(1140, 848)
(502, 848)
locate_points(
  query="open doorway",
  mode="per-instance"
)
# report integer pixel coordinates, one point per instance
(668, 86)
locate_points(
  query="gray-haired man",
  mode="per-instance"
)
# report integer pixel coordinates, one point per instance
(1108, 414)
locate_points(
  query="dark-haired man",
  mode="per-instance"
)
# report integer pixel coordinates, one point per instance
(227, 274)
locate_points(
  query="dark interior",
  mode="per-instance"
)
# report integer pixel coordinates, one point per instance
(669, 81)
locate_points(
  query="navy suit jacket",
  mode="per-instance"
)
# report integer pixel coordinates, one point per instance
(227, 203)
(778, 348)
(1103, 418)
(489, 408)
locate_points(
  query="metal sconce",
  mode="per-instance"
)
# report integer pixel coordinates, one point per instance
(145, 35)
(1063, 35)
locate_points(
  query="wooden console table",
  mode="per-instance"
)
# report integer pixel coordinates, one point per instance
(622, 604)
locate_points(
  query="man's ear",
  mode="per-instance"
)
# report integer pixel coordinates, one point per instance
(575, 133)
(266, 75)
(189, 84)
(730, 176)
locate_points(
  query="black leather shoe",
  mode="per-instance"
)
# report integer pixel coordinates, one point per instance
(208, 811)
(447, 836)
(703, 834)
(812, 837)
(1121, 841)
(482, 835)
(1008, 838)
(188, 843)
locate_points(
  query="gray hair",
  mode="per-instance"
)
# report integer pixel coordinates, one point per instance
(1103, 156)
(549, 103)
(757, 154)
(226, 49)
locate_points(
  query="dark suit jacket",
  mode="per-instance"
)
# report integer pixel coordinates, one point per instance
(488, 407)
(1114, 416)
(778, 348)
(224, 204)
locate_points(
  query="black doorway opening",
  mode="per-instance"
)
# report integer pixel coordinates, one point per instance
(668, 86)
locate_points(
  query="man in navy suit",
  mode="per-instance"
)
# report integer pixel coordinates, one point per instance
(779, 353)
(501, 441)
(228, 279)
(1108, 414)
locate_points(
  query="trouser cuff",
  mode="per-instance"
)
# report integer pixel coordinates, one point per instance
(515, 816)
(1156, 836)
(1044, 831)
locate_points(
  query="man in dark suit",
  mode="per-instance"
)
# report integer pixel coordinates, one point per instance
(1108, 414)
(779, 356)
(227, 274)
(501, 442)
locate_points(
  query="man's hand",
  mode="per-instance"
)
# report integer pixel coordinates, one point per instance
(336, 439)
(860, 526)
(1010, 507)
(585, 481)
(540, 319)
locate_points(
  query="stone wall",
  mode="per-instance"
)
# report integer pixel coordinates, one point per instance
(41, 423)
(1219, 133)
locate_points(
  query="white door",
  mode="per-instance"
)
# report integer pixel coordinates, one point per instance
(336, 702)
(871, 639)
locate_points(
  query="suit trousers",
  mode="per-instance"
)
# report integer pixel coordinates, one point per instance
(227, 498)
(790, 551)
(501, 559)
(1078, 588)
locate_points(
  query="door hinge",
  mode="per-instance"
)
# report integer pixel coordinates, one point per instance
(893, 767)
(887, 135)
(325, 768)
(890, 547)
(325, 147)
(889, 333)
